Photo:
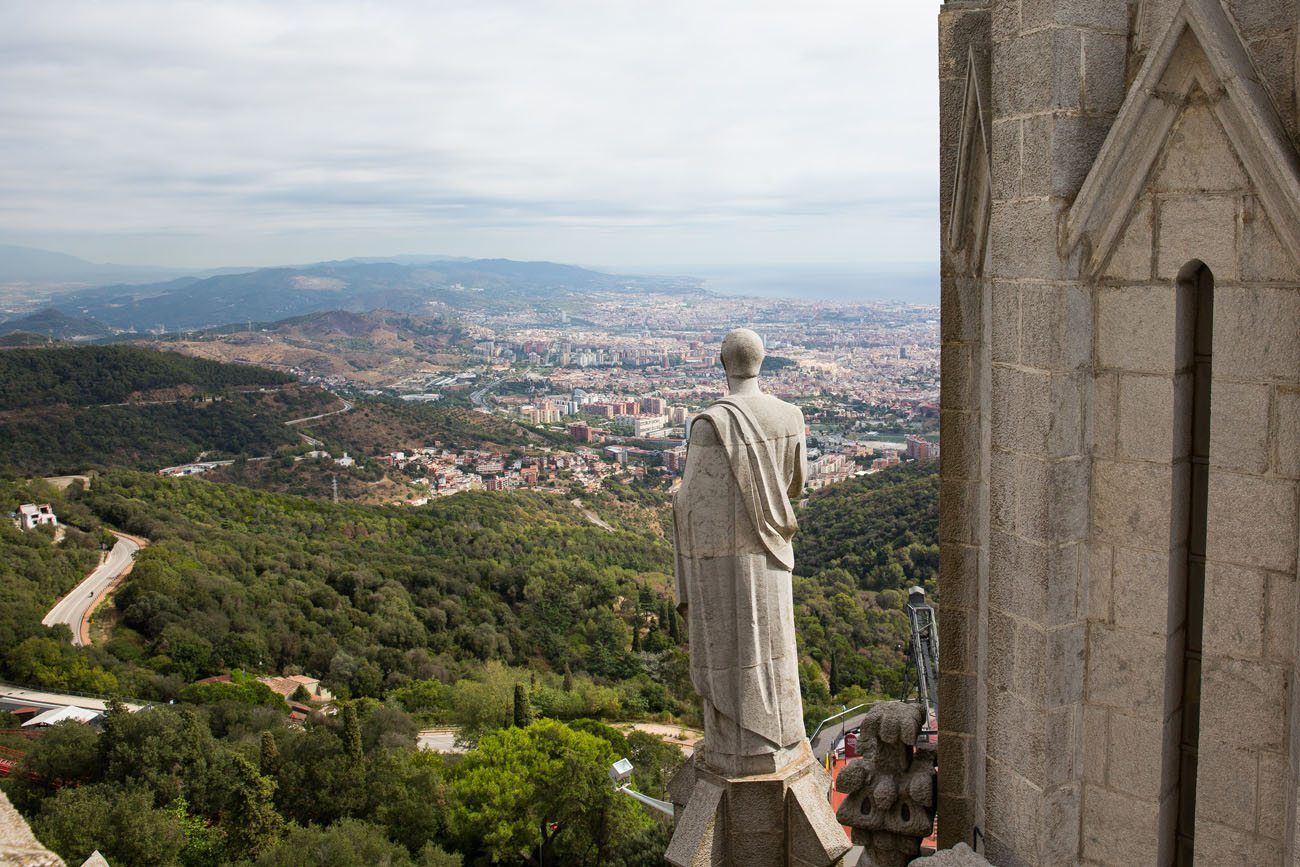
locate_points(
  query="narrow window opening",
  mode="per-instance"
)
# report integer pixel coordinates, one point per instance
(1196, 286)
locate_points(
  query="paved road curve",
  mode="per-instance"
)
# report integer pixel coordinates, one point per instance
(72, 608)
(829, 737)
(479, 398)
(346, 406)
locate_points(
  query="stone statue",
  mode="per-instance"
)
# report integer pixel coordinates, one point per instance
(753, 793)
(733, 522)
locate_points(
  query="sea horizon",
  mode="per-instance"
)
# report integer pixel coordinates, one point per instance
(906, 282)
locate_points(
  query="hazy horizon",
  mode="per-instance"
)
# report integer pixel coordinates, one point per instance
(913, 282)
(192, 135)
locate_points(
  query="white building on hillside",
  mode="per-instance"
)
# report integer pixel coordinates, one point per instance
(33, 515)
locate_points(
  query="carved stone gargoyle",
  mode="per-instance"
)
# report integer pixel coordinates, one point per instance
(891, 788)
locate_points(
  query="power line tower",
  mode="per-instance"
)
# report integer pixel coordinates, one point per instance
(334, 478)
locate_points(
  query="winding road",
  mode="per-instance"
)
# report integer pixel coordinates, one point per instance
(591, 516)
(347, 405)
(311, 440)
(72, 610)
(479, 397)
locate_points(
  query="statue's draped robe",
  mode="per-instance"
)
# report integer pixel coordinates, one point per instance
(733, 522)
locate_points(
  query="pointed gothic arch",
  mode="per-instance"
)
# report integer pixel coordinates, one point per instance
(972, 194)
(1220, 67)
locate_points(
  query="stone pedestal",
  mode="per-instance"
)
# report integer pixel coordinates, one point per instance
(782, 819)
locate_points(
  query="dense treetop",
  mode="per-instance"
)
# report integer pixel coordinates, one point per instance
(63, 409)
(87, 375)
(868, 524)
(370, 598)
(227, 783)
(505, 614)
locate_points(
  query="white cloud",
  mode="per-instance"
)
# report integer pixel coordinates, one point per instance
(598, 131)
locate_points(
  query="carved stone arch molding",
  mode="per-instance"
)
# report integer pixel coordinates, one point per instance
(972, 194)
(1222, 70)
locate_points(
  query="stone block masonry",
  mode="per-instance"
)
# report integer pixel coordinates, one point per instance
(1102, 163)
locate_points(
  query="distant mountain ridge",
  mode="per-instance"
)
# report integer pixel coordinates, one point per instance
(53, 323)
(24, 265)
(272, 294)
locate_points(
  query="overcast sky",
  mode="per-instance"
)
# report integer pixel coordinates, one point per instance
(606, 132)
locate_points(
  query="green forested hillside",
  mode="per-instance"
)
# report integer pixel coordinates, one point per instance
(372, 597)
(65, 408)
(387, 424)
(88, 375)
(860, 544)
(63, 439)
(418, 606)
(484, 610)
(870, 525)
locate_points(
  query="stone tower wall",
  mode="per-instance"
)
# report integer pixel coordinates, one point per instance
(1092, 149)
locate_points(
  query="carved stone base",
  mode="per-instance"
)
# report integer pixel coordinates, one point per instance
(889, 791)
(782, 819)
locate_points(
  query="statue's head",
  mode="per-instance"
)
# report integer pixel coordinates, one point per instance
(742, 353)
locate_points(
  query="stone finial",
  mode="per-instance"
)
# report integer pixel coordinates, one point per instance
(891, 788)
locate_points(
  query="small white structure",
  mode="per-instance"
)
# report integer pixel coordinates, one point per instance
(33, 515)
(56, 715)
(345, 461)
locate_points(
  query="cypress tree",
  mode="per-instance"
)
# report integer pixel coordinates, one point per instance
(253, 824)
(351, 732)
(523, 712)
(270, 759)
(636, 637)
(567, 685)
(833, 676)
(115, 715)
